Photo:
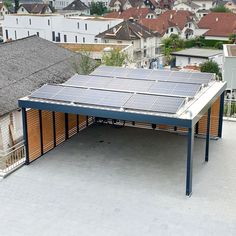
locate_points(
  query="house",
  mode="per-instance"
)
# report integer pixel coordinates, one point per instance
(77, 7)
(200, 13)
(204, 4)
(229, 68)
(34, 8)
(170, 22)
(187, 6)
(231, 5)
(217, 25)
(121, 5)
(197, 56)
(57, 28)
(3, 10)
(146, 44)
(133, 12)
(27, 64)
(88, 2)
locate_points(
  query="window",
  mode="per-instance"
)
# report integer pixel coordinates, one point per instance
(22, 9)
(65, 38)
(48, 22)
(6, 34)
(167, 31)
(86, 27)
(17, 21)
(83, 39)
(30, 21)
(76, 39)
(95, 40)
(145, 52)
(78, 25)
(108, 26)
(28, 33)
(15, 35)
(189, 60)
(37, 34)
(53, 36)
(171, 29)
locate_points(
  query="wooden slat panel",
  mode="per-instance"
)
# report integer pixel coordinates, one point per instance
(82, 122)
(47, 130)
(34, 144)
(60, 127)
(215, 109)
(72, 124)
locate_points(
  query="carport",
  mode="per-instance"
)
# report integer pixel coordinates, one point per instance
(186, 102)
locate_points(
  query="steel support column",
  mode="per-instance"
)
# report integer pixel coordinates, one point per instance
(54, 129)
(77, 123)
(66, 126)
(208, 134)
(189, 161)
(87, 121)
(25, 135)
(220, 126)
(41, 131)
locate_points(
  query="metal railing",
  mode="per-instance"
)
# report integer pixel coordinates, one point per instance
(12, 158)
(230, 108)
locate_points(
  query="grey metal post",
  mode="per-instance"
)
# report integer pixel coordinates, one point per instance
(25, 135)
(189, 161)
(208, 134)
(220, 126)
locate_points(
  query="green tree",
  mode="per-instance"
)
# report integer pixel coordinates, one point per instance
(211, 67)
(114, 58)
(220, 8)
(17, 4)
(232, 38)
(98, 8)
(219, 45)
(85, 65)
(8, 4)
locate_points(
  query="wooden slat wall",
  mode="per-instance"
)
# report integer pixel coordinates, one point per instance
(72, 124)
(82, 122)
(215, 109)
(47, 131)
(60, 127)
(34, 144)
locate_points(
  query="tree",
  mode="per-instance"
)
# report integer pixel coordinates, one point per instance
(220, 8)
(232, 38)
(86, 65)
(8, 4)
(114, 58)
(17, 4)
(97, 8)
(211, 67)
(174, 43)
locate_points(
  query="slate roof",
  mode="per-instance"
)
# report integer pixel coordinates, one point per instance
(35, 8)
(133, 3)
(76, 5)
(27, 64)
(126, 30)
(219, 24)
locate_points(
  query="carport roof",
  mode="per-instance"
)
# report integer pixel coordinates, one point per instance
(155, 96)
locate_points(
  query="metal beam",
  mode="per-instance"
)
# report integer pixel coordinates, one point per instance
(220, 125)
(208, 134)
(66, 126)
(189, 161)
(25, 135)
(41, 131)
(54, 129)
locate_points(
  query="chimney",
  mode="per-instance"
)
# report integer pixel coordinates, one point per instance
(217, 19)
(171, 16)
(131, 19)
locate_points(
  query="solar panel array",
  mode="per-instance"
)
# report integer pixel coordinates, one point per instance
(129, 89)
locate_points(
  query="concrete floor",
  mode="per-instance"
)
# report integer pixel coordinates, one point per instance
(123, 182)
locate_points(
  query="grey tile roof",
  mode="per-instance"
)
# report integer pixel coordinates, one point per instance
(76, 5)
(27, 64)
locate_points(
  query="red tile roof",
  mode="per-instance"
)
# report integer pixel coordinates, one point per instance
(219, 24)
(136, 13)
(168, 19)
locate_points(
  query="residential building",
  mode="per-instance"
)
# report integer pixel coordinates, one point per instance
(57, 28)
(3, 10)
(197, 56)
(231, 5)
(146, 44)
(200, 13)
(133, 12)
(170, 22)
(204, 4)
(34, 8)
(77, 7)
(88, 2)
(229, 67)
(121, 5)
(217, 26)
(187, 6)
(27, 64)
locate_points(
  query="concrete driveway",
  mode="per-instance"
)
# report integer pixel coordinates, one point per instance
(123, 182)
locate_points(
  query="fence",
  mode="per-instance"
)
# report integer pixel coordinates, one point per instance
(12, 158)
(230, 108)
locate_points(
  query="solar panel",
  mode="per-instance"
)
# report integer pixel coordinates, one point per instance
(154, 103)
(47, 91)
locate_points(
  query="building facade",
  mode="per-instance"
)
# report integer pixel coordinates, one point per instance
(56, 28)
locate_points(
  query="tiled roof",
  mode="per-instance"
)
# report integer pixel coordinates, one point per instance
(126, 30)
(133, 3)
(76, 5)
(36, 8)
(168, 19)
(136, 13)
(219, 24)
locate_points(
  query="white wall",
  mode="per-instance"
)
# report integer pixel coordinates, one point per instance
(205, 5)
(18, 26)
(183, 6)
